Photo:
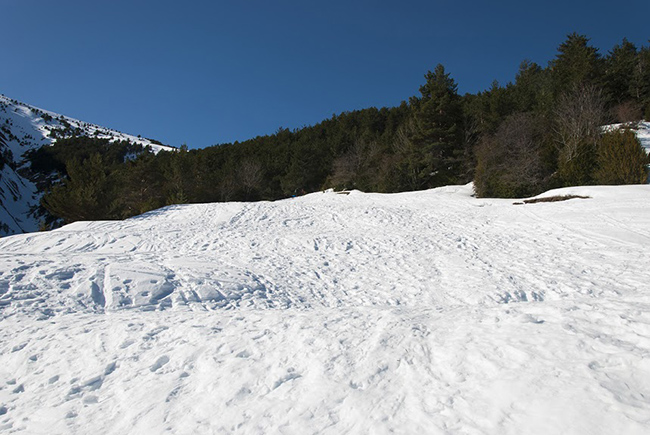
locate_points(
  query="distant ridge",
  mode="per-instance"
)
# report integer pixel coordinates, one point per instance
(24, 128)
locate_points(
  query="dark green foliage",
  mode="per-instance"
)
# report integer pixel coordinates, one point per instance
(621, 159)
(572, 98)
(577, 63)
(140, 186)
(517, 139)
(579, 169)
(532, 90)
(80, 175)
(267, 167)
(435, 156)
(620, 83)
(48, 159)
(6, 156)
(640, 82)
(85, 195)
(619, 71)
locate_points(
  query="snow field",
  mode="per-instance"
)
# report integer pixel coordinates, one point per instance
(425, 312)
(525, 369)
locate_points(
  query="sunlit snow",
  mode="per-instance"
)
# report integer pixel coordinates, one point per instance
(427, 312)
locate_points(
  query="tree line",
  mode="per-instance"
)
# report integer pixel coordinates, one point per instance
(541, 131)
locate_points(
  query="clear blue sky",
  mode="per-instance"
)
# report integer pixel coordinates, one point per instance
(208, 72)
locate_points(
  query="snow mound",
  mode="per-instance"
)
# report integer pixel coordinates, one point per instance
(422, 312)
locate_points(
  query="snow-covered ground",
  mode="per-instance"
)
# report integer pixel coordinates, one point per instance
(24, 128)
(427, 312)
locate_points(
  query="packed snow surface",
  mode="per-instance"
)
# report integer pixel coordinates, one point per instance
(429, 312)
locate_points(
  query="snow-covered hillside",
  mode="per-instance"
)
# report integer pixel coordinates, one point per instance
(426, 312)
(24, 128)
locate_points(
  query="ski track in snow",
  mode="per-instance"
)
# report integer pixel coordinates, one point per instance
(425, 312)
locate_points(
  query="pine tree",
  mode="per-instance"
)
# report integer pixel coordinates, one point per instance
(85, 195)
(619, 71)
(527, 89)
(640, 83)
(438, 134)
(577, 63)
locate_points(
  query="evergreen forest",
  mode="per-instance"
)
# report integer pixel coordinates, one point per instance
(541, 131)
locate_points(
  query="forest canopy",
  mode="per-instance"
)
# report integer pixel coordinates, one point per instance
(541, 131)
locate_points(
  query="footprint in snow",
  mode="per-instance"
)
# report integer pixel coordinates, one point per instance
(152, 334)
(239, 395)
(290, 376)
(93, 383)
(159, 363)
(126, 344)
(243, 354)
(88, 400)
(19, 347)
(19, 389)
(527, 318)
(173, 394)
(110, 368)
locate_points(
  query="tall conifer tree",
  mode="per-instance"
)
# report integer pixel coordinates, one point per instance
(438, 133)
(577, 63)
(619, 71)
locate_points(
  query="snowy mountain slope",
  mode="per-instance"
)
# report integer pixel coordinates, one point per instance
(24, 128)
(424, 312)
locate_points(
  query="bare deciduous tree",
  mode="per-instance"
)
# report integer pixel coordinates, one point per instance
(578, 119)
(413, 160)
(627, 112)
(227, 187)
(251, 175)
(349, 166)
